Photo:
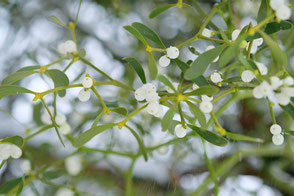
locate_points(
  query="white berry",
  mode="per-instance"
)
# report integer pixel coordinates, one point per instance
(283, 99)
(172, 52)
(64, 192)
(275, 4)
(247, 76)
(288, 80)
(206, 32)
(73, 165)
(262, 68)
(67, 47)
(84, 95)
(153, 108)
(276, 129)
(283, 12)
(140, 94)
(216, 77)
(5, 151)
(275, 82)
(60, 119)
(278, 139)
(164, 61)
(15, 151)
(206, 107)
(180, 131)
(65, 128)
(87, 82)
(25, 166)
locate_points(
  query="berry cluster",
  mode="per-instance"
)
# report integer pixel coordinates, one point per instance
(278, 138)
(60, 120)
(9, 150)
(84, 94)
(148, 92)
(171, 53)
(67, 47)
(283, 12)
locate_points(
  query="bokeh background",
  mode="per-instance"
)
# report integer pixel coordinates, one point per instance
(28, 37)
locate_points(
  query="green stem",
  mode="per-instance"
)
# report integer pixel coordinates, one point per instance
(68, 66)
(225, 93)
(129, 179)
(56, 61)
(38, 132)
(270, 105)
(53, 121)
(182, 116)
(86, 149)
(99, 97)
(211, 39)
(123, 123)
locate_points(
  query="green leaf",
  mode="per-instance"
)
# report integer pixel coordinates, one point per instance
(240, 137)
(6, 187)
(137, 66)
(57, 21)
(233, 79)
(136, 34)
(140, 142)
(289, 109)
(249, 64)
(289, 132)
(204, 90)
(120, 110)
(49, 175)
(201, 81)
(90, 133)
(199, 66)
(230, 52)
(152, 66)
(263, 10)
(209, 136)
(16, 76)
(59, 78)
(278, 54)
(17, 140)
(168, 117)
(158, 10)
(8, 90)
(30, 68)
(148, 33)
(197, 113)
(193, 50)
(181, 64)
(166, 82)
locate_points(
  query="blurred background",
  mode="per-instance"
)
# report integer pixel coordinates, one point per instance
(28, 37)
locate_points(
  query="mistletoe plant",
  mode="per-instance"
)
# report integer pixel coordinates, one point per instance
(240, 75)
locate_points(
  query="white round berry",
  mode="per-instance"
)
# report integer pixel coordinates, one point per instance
(216, 77)
(84, 95)
(265, 89)
(258, 41)
(140, 94)
(257, 92)
(64, 192)
(276, 129)
(65, 128)
(235, 34)
(15, 151)
(209, 47)
(61, 49)
(162, 150)
(149, 88)
(206, 98)
(206, 32)
(253, 49)
(206, 107)
(172, 52)
(60, 118)
(278, 139)
(288, 80)
(159, 113)
(5, 151)
(153, 108)
(73, 165)
(152, 97)
(247, 76)
(45, 118)
(275, 82)
(288, 91)
(262, 68)
(275, 4)
(180, 131)
(283, 99)
(70, 46)
(194, 86)
(25, 166)
(164, 61)
(87, 82)
(283, 12)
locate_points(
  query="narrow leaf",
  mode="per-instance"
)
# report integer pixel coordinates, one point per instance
(160, 9)
(140, 143)
(8, 90)
(278, 54)
(239, 137)
(289, 109)
(30, 68)
(120, 110)
(182, 65)
(136, 34)
(209, 136)
(199, 66)
(6, 187)
(17, 140)
(57, 21)
(137, 66)
(166, 82)
(201, 81)
(59, 78)
(16, 76)
(90, 133)
(263, 10)
(148, 33)
(152, 67)
(168, 117)
(204, 90)
(197, 113)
